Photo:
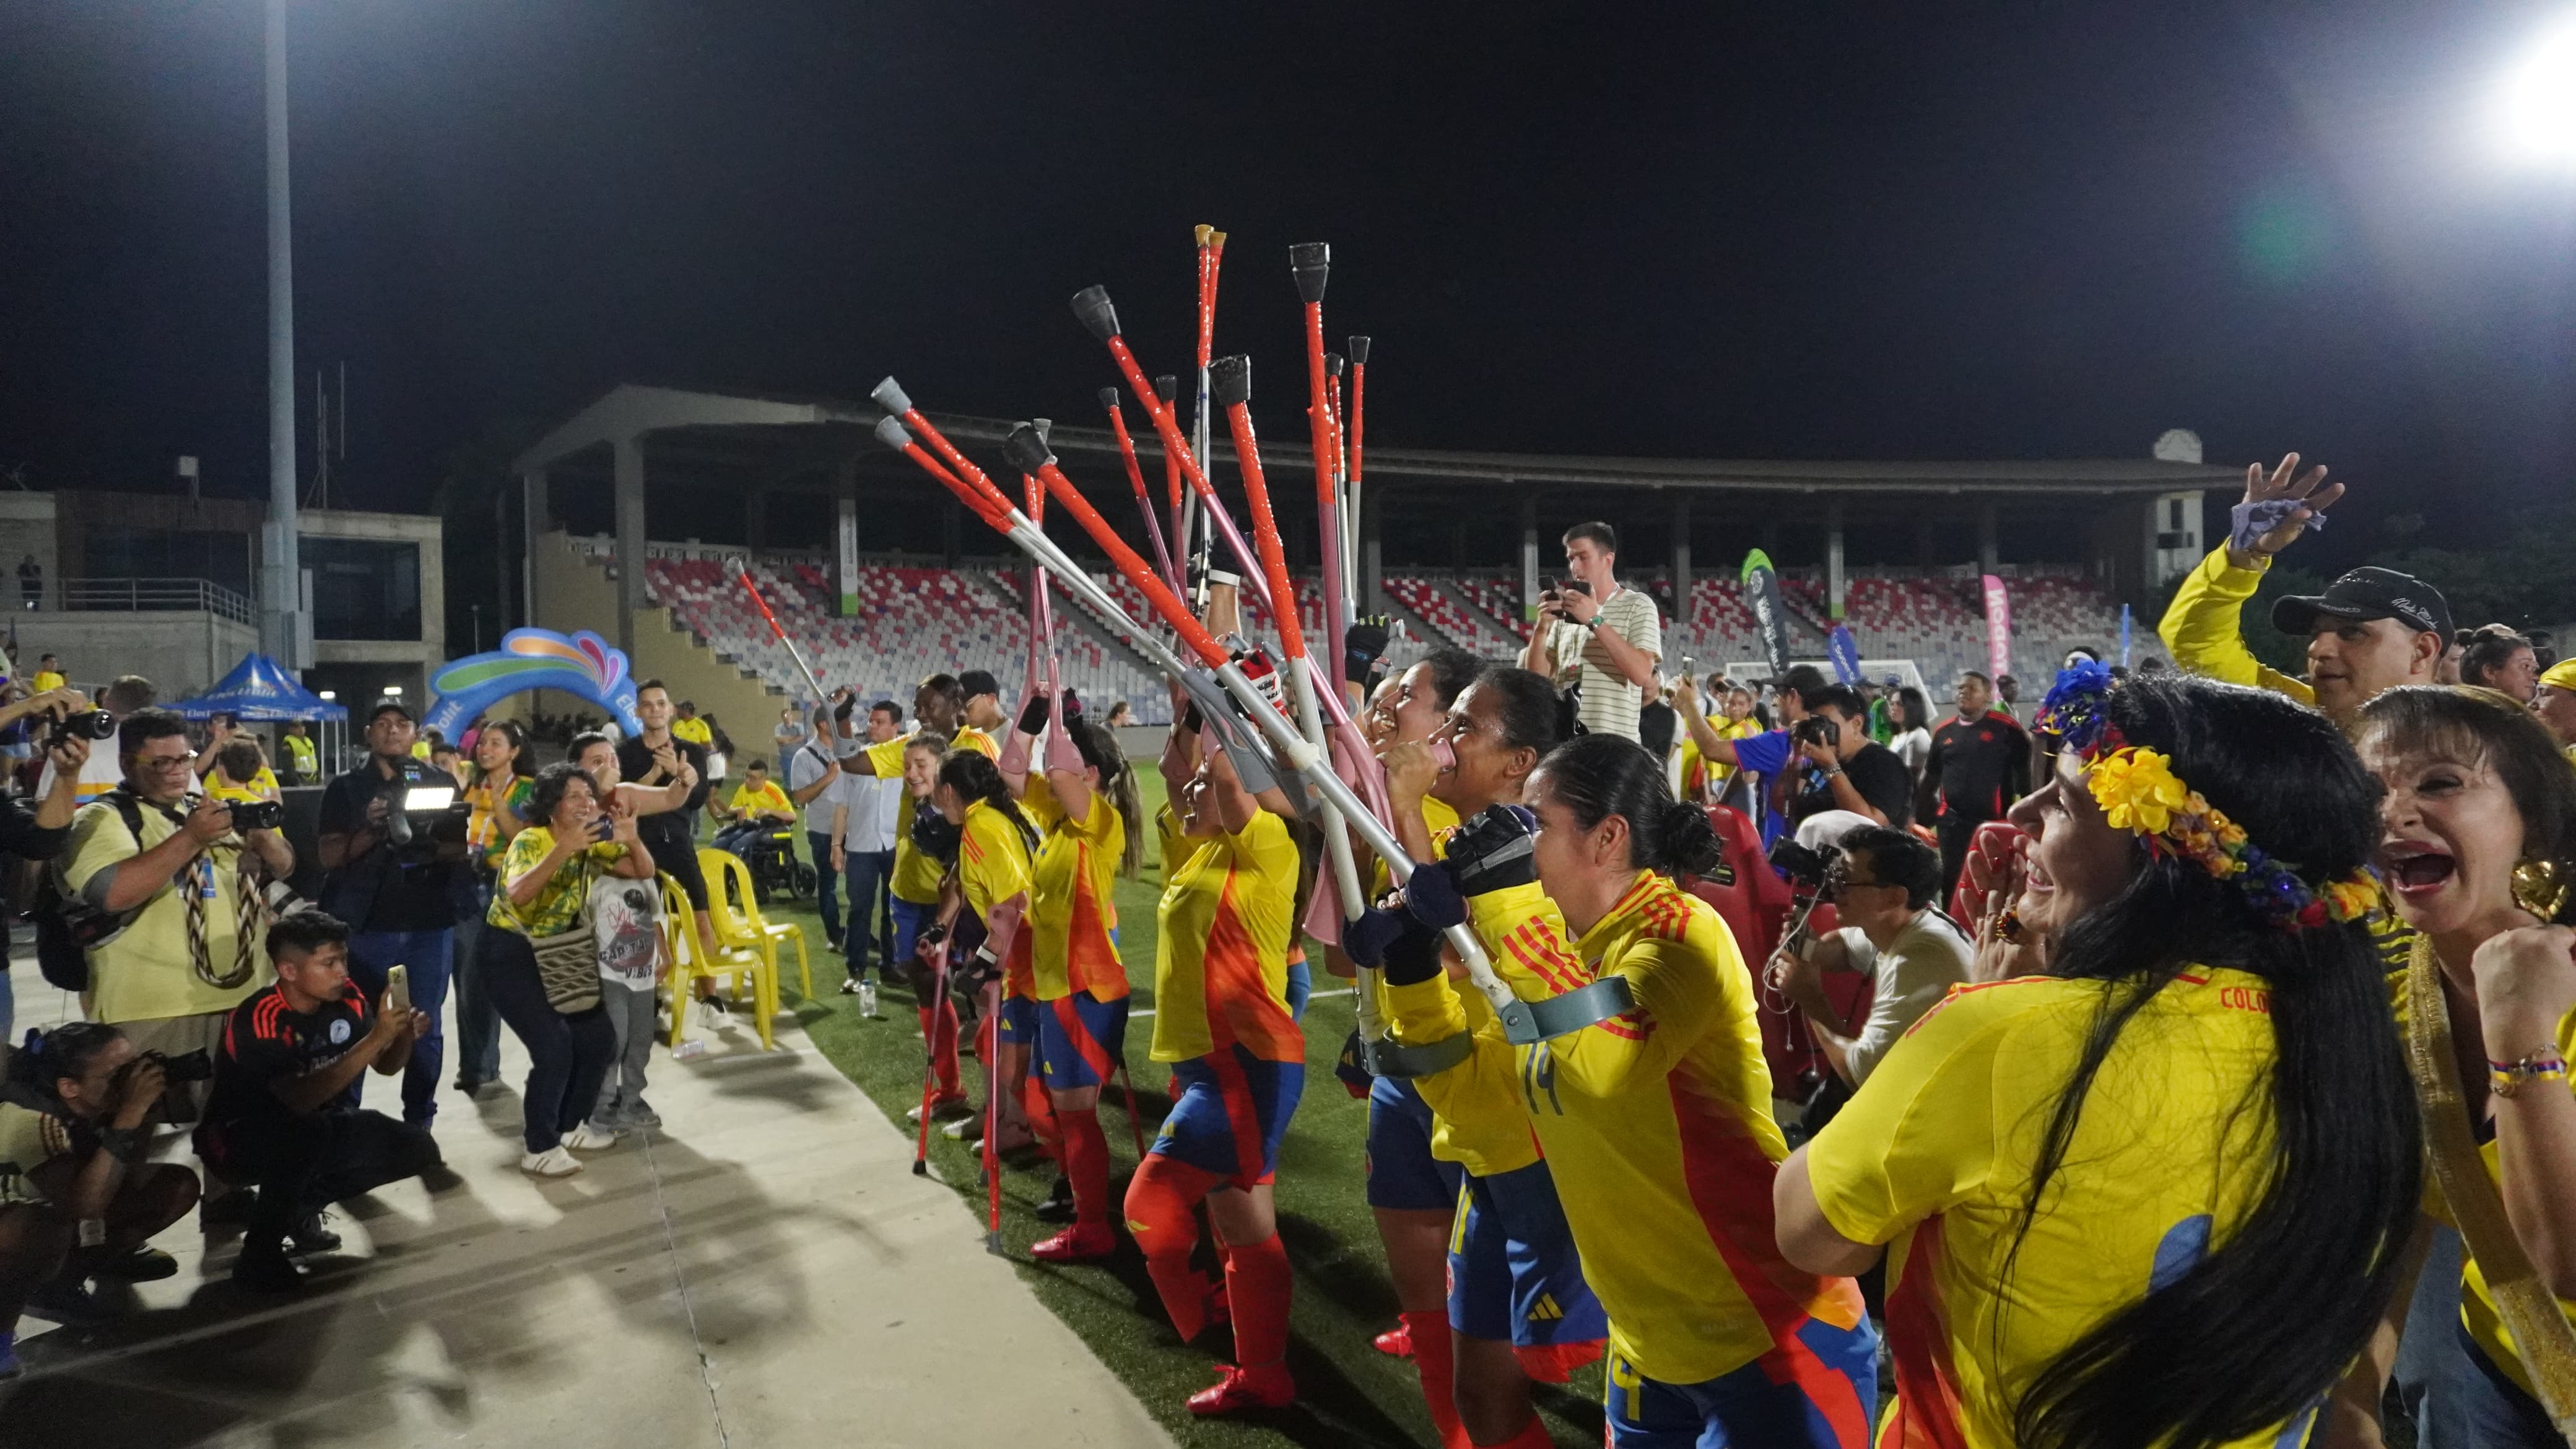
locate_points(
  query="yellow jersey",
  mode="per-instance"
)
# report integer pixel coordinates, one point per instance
(768, 797)
(46, 679)
(1656, 1123)
(2202, 626)
(695, 731)
(916, 876)
(993, 867)
(1221, 958)
(1073, 903)
(2478, 1311)
(1476, 1122)
(1934, 1154)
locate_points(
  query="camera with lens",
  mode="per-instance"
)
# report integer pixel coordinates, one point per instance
(422, 815)
(81, 724)
(1804, 869)
(257, 815)
(1815, 729)
(186, 1067)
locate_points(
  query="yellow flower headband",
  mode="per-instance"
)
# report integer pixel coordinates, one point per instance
(2138, 791)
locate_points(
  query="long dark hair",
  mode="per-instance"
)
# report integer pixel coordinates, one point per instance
(2480, 726)
(1598, 776)
(975, 778)
(507, 729)
(2272, 1316)
(1099, 747)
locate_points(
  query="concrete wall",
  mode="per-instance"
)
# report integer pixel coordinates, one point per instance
(27, 527)
(181, 653)
(574, 592)
(427, 531)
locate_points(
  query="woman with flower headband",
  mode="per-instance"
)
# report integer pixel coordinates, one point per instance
(2159, 1194)
(2479, 849)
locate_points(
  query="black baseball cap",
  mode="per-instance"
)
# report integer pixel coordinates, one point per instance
(2368, 593)
(390, 705)
(979, 681)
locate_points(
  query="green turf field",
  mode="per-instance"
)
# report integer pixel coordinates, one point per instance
(1350, 1395)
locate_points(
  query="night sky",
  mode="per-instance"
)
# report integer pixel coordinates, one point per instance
(1813, 230)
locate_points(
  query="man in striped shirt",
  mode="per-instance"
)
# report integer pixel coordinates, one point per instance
(1597, 634)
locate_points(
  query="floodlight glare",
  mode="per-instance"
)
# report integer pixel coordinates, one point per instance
(2537, 114)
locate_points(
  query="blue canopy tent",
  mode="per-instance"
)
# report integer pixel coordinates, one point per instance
(261, 690)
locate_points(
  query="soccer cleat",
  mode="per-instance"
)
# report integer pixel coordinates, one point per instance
(263, 1267)
(553, 1162)
(309, 1236)
(1242, 1390)
(1081, 1243)
(1396, 1342)
(586, 1138)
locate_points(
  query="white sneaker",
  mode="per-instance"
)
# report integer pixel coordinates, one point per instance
(586, 1138)
(553, 1162)
(711, 1014)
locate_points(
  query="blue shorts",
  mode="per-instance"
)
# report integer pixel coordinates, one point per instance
(909, 918)
(1080, 1039)
(1820, 1392)
(1230, 1112)
(1513, 1273)
(1402, 1174)
(1017, 1022)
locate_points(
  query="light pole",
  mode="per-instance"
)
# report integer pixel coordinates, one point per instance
(281, 617)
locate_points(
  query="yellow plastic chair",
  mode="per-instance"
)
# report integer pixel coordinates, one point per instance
(741, 925)
(689, 962)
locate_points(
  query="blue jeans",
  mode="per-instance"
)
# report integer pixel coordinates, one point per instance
(827, 881)
(2457, 1398)
(426, 955)
(478, 1021)
(871, 878)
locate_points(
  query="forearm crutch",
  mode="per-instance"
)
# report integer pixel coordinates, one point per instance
(1093, 306)
(1311, 262)
(741, 565)
(1524, 1022)
(1136, 479)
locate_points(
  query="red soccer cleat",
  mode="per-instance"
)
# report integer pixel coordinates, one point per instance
(1396, 1342)
(1081, 1243)
(1241, 1390)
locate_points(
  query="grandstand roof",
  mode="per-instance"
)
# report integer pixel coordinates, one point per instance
(726, 437)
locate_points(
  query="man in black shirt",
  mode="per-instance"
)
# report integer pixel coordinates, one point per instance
(282, 1115)
(1853, 772)
(1979, 765)
(657, 757)
(399, 900)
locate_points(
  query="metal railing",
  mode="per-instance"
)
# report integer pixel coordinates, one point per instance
(152, 596)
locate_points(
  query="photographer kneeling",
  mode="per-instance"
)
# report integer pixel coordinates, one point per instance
(76, 1199)
(282, 1117)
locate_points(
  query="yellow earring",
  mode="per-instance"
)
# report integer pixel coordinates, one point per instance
(2540, 887)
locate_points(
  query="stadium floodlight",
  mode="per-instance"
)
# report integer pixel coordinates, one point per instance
(393, 691)
(2536, 114)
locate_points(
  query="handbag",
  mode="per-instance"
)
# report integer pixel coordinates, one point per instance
(2541, 1335)
(568, 965)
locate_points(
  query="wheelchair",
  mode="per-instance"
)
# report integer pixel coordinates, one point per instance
(775, 869)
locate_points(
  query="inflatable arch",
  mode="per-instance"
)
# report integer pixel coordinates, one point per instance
(582, 664)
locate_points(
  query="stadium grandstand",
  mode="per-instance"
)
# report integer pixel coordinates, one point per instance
(880, 579)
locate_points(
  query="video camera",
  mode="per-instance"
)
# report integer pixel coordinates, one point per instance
(1806, 870)
(421, 816)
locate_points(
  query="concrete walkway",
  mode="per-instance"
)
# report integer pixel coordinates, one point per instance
(764, 1272)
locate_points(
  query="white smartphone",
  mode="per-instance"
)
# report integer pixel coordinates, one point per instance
(398, 990)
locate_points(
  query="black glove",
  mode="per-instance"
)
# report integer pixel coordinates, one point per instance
(1362, 643)
(927, 939)
(1414, 955)
(1190, 720)
(1033, 715)
(842, 711)
(1494, 851)
(933, 836)
(1365, 940)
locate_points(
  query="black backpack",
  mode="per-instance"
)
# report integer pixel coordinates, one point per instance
(67, 926)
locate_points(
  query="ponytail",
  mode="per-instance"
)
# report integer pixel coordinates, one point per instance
(975, 778)
(1598, 776)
